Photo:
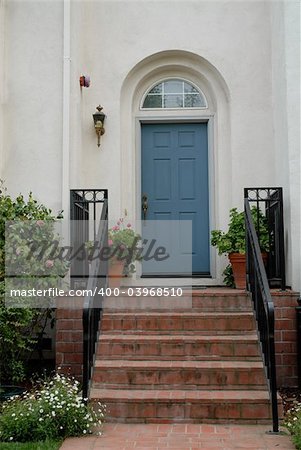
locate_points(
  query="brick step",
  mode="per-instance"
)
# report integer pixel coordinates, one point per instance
(184, 322)
(178, 347)
(122, 374)
(174, 406)
(238, 302)
(200, 302)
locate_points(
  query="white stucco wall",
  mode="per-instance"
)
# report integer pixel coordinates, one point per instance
(232, 36)
(2, 82)
(245, 45)
(33, 99)
(293, 86)
(285, 22)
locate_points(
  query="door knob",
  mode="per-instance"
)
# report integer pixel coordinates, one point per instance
(144, 206)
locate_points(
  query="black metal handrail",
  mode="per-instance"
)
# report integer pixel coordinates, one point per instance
(257, 285)
(92, 307)
(271, 200)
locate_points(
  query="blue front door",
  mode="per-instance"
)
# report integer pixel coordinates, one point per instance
(175, 181)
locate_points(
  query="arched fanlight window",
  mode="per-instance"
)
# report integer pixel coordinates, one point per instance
(174, 94)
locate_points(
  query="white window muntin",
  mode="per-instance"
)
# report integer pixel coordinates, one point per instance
(168, 97)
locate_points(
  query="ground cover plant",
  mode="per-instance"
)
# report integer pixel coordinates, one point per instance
(42, 445)
(293, 424)
(53, 409)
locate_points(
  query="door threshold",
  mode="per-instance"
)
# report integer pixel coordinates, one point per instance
(159, 282)
(193, 275)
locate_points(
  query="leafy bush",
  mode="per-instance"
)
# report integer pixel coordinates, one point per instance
(228, 276)
(53, 410)
(21, 327)
(234, 240)
(42, 445)
(293, 424)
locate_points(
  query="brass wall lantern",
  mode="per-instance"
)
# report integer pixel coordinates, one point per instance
(99, 118)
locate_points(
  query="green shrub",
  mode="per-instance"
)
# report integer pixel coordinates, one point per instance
(53, 410)
(228, 276)
(234, 240)
(42, 445)
(21, 327)
(293, 424)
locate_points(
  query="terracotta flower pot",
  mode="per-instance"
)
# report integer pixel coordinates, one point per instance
(238, 263)
(116, 268)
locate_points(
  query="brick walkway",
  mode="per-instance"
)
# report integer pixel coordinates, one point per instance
(181, 437)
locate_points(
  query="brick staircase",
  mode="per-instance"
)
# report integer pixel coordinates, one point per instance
(190, 359)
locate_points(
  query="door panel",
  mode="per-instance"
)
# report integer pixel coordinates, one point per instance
(162, 179)
(175, 179)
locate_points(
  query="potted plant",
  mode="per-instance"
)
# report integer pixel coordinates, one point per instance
(124, 251)
(233, 243)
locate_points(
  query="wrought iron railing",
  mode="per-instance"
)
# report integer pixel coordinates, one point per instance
(271, 202)
(86, 207)
(83, 209)
(257, 285)
(79, 234)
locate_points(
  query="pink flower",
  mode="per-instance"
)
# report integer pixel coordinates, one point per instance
(40, 223)
(118, 223)
(110, 242)
(129, 225)
(116, 228)
(49, 263)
